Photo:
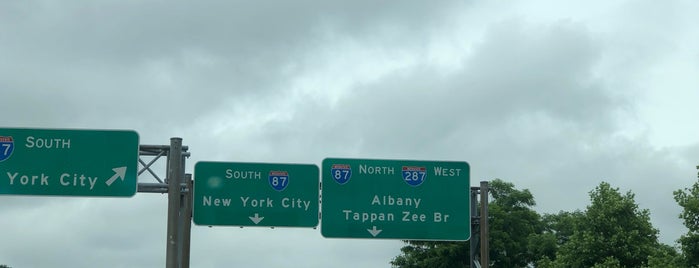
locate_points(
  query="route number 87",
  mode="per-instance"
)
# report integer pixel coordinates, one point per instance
(6, 147)
(279, 182)
(341, 173)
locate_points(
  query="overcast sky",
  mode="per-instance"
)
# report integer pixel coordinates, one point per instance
(554, 96)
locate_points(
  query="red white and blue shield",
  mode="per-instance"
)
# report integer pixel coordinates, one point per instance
(7, 145)
(414, 176)
(278, 180)
(341, 173)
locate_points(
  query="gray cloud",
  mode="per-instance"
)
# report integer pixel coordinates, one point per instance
(167, 63)
(528, 108)
(544, 101)
(515, 76)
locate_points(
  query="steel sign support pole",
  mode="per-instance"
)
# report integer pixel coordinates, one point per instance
(175, 163)
(473, 248)
(186, 220)
(485, 258)
(174, 174)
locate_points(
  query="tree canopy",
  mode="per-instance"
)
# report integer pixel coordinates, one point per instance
(611, 232)
(514, 228)
(424, 254)
(688, 199)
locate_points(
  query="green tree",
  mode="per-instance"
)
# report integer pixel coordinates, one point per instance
(516, 236)
(558, 228)
(665, 257)
(424, 254)
(612, 232)
(515, 228)
(608, 262)
(688, 199)
(4, 266)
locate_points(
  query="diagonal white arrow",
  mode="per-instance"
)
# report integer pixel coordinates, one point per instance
(119, 172)
(257, 219)
(374, 232)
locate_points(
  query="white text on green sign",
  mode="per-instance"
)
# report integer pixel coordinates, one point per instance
(395, 199)
(256, 194)
(68, 162)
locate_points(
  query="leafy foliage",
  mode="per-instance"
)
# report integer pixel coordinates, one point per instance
(515, 228)
(558, 228)
(562, 225)
(665, 257)
(426, 254)
(613, 230)
(608, 262)
(688, 199)
(516, 236)
(689, 244)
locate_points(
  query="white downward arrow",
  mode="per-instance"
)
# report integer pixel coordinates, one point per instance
(257, 219)
(119, 172)
(374, 232)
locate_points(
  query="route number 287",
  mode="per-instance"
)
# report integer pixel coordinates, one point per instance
(414, 176)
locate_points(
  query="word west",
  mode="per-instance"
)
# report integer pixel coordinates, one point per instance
(65, 179)
(447, 172)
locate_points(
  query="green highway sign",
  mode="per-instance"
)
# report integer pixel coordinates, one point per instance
(395, 199)
(256, 194)
(67, 162)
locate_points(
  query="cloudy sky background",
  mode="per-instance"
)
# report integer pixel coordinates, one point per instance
(554, 96)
